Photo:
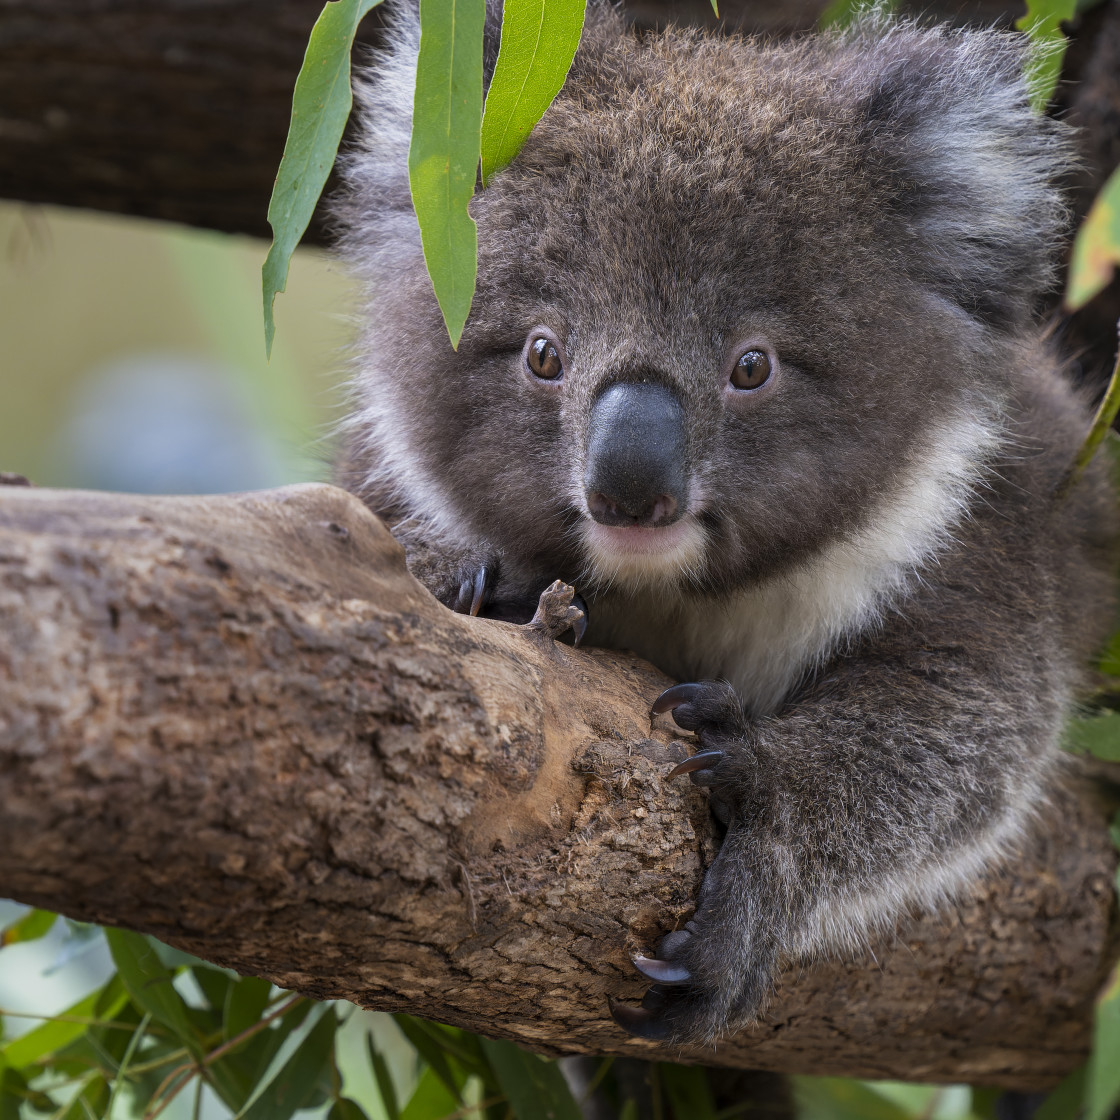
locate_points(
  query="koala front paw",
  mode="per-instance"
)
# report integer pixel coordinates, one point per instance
(476, 588)
(716, 973)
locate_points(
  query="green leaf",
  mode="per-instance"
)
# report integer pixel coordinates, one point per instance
(1096, 251)
(1102, 1077)
(91, 1102)
(539, 41)
(14, 1092)
(1098, 735)
(245, 1003)
(431, 1046)
(430, 1098)
(385, 1084)
(345, 1109)
(297, 1082)
(150, 985)
(534, 1087)
(836, 1098)
(1065, 1101)
(1042, 23)
(444, 153)
(33, 925)
(53, 1035)
(688, 1091)
(320, 107)
(842, 13)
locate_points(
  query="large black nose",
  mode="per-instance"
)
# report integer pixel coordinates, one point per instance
(636, 457)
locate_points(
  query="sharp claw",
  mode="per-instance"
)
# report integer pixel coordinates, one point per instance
(704, 760)
(638, 1021)
(674, 697)
(662, 972)
(479, 589)
(579, 628)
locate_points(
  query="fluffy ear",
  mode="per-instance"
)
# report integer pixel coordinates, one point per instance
(972, 168)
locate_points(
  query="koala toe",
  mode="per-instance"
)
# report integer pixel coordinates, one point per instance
(475, 589)
(708, 708)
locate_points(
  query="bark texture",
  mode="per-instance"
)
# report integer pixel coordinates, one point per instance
(239, 724)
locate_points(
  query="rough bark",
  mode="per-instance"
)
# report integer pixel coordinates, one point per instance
(239, 724)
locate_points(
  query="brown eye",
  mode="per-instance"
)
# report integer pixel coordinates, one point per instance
(751, 370)
(544, 359)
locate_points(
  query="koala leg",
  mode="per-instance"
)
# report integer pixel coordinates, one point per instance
(896, 778)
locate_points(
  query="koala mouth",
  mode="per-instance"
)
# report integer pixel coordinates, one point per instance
(637, 554)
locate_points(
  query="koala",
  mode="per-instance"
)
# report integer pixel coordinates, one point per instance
(754, 363)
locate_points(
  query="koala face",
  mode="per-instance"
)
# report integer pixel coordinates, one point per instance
(731, 300)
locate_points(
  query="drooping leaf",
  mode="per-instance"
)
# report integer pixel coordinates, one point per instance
(1102, 1076)
(1065, 1100)
(430, 1098)
(245, 1003)
(688, 1091)
(836, 1098)
(320, 107)
(345, 1109)
(297, 1082)
(14, 1092)
(1098, 735)
(431, 1048)
(71, 1024)
(841, 13)
(539, 40)
(1043, 24)
(385, 1084)
(151, 985)
(535, 1088)
(444, 153)
(1096, 251)
(33, 925)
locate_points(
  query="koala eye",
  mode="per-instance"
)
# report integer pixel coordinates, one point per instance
(542, 356)
(751, 370)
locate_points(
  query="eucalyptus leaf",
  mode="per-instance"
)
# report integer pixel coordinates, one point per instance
(539, 41)
(39, 1043)
(444, 153)
(33, 925)
(1043, 24)
(836, 1098)
(1096, 251)
(430, 1046)
(297, 1082)
(1102, 1075)
(1065, 1100)
(1098, 735)
(534, 1087)
(320, 108)
(345, 1109)
(384, 1078)
(688, 1091)
(430, 1098)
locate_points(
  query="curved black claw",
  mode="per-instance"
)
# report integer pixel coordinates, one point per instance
(703, 760)
(473, 592)
(638, 1021)
(579, 625)
(662, 972)
(674, 697)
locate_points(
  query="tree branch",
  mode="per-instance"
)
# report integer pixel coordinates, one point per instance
(238, 723)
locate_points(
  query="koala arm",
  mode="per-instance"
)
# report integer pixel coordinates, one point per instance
(892, 779)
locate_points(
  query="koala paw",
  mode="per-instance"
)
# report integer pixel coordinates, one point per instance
(559, 610)
(716, 973)
(476, 588)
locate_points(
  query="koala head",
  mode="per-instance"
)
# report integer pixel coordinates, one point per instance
(733, 297)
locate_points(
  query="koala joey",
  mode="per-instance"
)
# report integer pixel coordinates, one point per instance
(754, 364)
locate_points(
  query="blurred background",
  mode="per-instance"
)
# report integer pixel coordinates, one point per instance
(133, 356)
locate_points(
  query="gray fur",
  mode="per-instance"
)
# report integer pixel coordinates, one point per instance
(871, 553)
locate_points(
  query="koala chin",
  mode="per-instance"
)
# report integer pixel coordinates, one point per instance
(754, 363)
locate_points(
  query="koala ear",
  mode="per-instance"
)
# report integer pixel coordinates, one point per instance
(970, 166)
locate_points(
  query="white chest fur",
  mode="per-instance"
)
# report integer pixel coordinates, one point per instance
(765, 638)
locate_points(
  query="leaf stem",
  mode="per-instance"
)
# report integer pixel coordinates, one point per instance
(1102, 422)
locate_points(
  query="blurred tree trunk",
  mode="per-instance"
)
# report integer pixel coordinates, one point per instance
(239, 724)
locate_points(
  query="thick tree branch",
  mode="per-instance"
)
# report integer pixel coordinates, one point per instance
(239, 724)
